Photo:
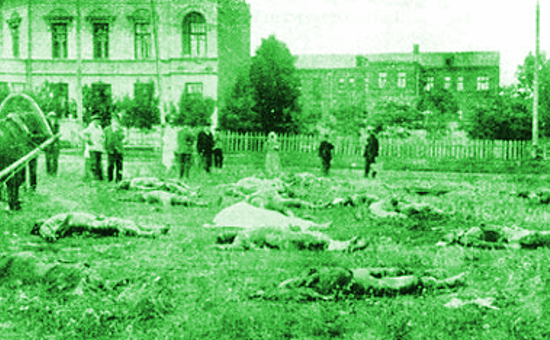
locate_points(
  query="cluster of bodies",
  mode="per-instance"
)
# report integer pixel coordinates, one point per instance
(264, 220)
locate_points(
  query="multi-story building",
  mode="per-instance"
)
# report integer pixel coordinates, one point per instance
(331, 82)
(193, 46)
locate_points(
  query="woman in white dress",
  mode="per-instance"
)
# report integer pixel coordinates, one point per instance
(272, 160)
(169, 147)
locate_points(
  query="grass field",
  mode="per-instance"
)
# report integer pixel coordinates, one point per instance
(180, 289)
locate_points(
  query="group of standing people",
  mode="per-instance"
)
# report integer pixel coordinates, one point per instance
(180, 145)
(371, 152)
(99, 141)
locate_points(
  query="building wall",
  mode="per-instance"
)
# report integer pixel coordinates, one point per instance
(227, 46)
(337, 89)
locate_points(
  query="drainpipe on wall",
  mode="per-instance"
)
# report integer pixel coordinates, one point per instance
(157, 57)
(79, 108)
(29, 46)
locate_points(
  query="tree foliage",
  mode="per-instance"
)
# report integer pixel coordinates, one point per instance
(142, 110)
(97, 100)
(276, 87)
(194, 110)
(237, 115)
(507, 116)
(389, 113)
(347, 120)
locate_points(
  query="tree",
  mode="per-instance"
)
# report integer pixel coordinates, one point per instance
(347, 120)
(275, 87)
(194, 110)
(96, 99)
(237, 115)
(391, 113)
(507, 116)
(439, 108)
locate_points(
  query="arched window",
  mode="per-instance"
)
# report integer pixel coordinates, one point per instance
(194, 35)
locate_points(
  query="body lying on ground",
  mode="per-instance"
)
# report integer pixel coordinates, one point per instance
(285, 238)
(498, 237)
(353, 200)
(269, 198)
(244, 215)
(26, 268)
(67, 224)
(155, 184)
(163, 197)
(329, 283)
(395, 207)
(541, 196)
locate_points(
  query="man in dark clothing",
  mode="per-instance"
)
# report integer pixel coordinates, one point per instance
(205, 144)
(52, 151)
(371, 152)
(325, 152)
(114, 147)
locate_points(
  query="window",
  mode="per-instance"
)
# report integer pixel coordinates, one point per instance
(429, 83)
(60, 98)
(19, 87)
(447, 83)
(144, 92)
(460, 84)
(317, 88)
(101, 40)
(194, 35)
(482, 83)
(13, 24)
(382, 80)
(193, 89)
(59, 41)
(15, 43)
(402, 80)
(341, 84)
(143, 41)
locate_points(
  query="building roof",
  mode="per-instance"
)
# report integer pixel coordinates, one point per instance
(325, 61)
(427, 59)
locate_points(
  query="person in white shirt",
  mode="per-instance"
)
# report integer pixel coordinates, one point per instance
(95, 141)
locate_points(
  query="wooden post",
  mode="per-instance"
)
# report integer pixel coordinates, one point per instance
(29, 46)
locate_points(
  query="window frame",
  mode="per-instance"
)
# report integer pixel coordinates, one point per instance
(97, 50)
(402, 80)
(194, 40)
(460, 84)
(483, 83)
(194, 94)
(430, 83)
(382, 80)
(58, 45)
(140, 38)
(448, 82)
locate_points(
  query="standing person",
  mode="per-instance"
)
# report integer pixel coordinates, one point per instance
(218, 153)
(205, 143)
(95, 138)
(371, 152)
(272, 160)
(52, 151)
(169, 147)
(114, 147)
(325, 152)
(184, 151)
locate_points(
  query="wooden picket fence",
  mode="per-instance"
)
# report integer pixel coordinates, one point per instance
(389, 148)
(352, 148)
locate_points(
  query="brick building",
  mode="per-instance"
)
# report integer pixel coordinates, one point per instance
(113, 44)
(330, 82)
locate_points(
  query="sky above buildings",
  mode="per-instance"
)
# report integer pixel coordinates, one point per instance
(379, 26)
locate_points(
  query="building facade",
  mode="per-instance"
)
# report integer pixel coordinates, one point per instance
(332, 82)
(193, 46)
